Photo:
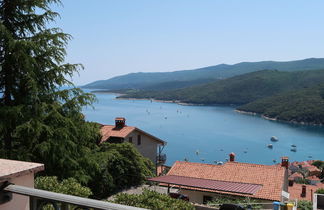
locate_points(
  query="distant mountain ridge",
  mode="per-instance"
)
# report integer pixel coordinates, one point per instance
(289, 96)
(186, 78)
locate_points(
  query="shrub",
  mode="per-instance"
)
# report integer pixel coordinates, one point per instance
(304, 205)
(153, 200)
(320, 191)
(68, 186)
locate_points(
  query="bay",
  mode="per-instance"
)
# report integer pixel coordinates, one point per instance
(209, 133)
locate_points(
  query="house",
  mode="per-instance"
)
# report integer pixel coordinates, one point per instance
(204, 182)
(18, 173)
(148, 145)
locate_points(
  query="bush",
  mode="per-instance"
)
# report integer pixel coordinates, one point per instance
(320, 191)
(245, 202)
(68, 186)
(153, 200)
(304, 205)
(120, 166)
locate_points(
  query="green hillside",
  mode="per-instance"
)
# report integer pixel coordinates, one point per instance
(184, 78)
(239, 89)
(304, 105)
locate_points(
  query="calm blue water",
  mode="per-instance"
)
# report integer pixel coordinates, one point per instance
(207, 130)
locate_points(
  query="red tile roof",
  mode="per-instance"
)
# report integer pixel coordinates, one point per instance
(270, 177)
(108, 131)
(209, 184)
(296, 175)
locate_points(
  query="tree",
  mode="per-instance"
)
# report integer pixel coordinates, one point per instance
(120, 166)
(68, 186)
(41, 121)
(153, 200)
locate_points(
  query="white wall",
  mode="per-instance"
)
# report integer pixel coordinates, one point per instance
(19, 202)
(148, 146)
(197, 196)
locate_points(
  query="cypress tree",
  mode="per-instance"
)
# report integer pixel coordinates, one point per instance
(39, 120)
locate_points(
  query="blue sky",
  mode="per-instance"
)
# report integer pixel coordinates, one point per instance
(115, 37)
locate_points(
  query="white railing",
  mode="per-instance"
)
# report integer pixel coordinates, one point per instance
(40, 198)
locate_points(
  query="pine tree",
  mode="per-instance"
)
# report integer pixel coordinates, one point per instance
(39, 120)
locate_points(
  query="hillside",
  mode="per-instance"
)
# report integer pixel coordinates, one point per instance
(185, 78)
(305, 105)
(238, 90)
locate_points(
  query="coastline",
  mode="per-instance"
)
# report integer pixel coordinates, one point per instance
(191, 104)
(276, 119)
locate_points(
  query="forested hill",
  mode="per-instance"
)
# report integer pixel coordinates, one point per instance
(305, 105)
(185, 78)
(240, 89)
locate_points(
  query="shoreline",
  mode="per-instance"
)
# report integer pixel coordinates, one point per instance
(191, 104)
(276, 119)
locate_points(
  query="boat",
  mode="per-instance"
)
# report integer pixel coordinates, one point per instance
(293, 145)
(270, 146)
(274, 138)
(293, 149)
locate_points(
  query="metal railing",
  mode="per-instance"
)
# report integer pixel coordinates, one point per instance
(40, 198)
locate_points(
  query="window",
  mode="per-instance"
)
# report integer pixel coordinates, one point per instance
(139, 140)
(130, 139)
(206, 199)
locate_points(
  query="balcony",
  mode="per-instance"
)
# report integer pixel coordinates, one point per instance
(38, 199)
(161, 158)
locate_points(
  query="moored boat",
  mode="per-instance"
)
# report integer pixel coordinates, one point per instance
(274, 138)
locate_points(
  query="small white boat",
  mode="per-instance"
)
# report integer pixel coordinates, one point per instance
(270, 146)
(274, 138)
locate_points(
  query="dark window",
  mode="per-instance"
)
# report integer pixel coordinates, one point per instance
(139, 140)
(206, 199)
(130, 139)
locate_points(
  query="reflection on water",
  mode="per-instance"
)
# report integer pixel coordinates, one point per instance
(208, 134)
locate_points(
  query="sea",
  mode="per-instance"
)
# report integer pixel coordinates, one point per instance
(208, 134)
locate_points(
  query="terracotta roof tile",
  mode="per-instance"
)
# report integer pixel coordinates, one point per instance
(270, 177)
(108, 131)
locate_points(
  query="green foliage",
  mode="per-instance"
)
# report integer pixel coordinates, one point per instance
(68, 186)
(305, 105)
(319, 164)
(41, 121)
(245, 202)
(120, 166)
(181, 79)
(153, 200)
(304, 205)
(239, 89)
(320, 191)
(302, 181)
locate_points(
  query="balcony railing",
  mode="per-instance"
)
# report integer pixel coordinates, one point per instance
(40, 198)
(161, 158)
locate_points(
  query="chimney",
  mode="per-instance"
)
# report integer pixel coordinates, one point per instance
(119, 122)
(232, 157)
(285, 162)
(303, 193)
